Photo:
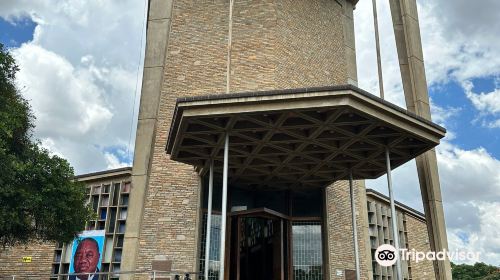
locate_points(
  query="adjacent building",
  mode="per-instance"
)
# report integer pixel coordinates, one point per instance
(412, 232)
(108, 195)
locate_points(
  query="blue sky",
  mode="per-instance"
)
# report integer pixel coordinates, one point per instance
(81, 69)
(14, 33)
(467, 124)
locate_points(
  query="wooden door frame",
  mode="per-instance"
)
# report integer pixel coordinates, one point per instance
(258, 212)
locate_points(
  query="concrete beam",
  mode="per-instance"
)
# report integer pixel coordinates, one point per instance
(101, 175)
(349, 42)
(158, 27)
(411, 62)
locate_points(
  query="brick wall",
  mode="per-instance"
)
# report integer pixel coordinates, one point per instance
(339, 222)
(40, 266)
(418, 239)
(276, 44)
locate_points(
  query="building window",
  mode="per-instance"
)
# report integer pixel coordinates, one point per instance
(307, 251)
(213, 272)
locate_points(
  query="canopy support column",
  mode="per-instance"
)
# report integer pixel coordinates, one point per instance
(411, 63)
(394, 216)
(354, 227)
(209, 219)
(224, 207)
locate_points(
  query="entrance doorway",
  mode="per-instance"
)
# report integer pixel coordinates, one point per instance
(258, 245)
(263, 242)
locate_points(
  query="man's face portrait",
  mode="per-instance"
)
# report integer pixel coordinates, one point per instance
(86, 256)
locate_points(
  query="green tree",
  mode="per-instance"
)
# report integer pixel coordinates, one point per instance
(493, 276)
(38, 198)
(478, 271)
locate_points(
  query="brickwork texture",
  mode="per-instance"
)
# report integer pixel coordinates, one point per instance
(276, 45)
(418, 239)
(11, 261)
(339, 229)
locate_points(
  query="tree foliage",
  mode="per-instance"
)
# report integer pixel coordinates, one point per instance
(38, 198)
(478, 271)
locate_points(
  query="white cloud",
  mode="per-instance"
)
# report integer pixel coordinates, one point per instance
(468, 175)
(487, 102)
(484, 240)
(80, 74)
(459, 39)
(113, 161)
(456, 46)
(66, 101)
(494, 124)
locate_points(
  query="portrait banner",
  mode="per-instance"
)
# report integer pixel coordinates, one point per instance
(86, 255)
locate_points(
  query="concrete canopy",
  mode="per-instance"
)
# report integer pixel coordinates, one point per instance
(300, 138)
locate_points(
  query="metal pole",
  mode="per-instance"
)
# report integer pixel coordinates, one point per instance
(394, 217)
(377, 47)
(354, 227)
(224, 206)
(209, 219)
(226, 148)
(154, 275)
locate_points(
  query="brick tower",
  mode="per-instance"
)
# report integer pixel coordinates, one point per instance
(276, 45)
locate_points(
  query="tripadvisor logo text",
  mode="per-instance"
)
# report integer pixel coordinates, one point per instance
(386, 255)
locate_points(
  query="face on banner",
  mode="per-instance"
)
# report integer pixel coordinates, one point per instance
(87, 252)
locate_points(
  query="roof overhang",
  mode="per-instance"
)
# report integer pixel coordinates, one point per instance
(104, 175)
(298, 138)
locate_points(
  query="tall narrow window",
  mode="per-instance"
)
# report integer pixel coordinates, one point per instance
(213, 272)
(307, 251)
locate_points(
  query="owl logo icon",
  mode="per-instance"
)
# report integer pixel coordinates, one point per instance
(386, 255)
